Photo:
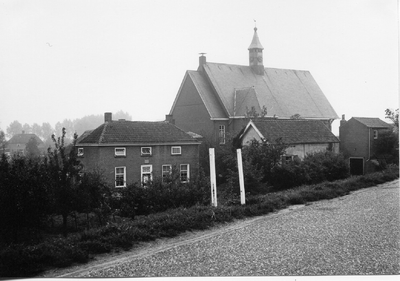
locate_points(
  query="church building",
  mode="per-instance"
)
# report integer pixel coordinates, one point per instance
(215, 99)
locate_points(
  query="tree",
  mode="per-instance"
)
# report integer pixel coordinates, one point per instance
(14, 128)
(24, 197)
(3, 142)
(47, 131)
(264, 155)
(37, 130)
(64, 170)
(386, 148)
(122, 115)
(393, 116)
(31, 149)
(253, 114)
(69, 127)
(26, 128)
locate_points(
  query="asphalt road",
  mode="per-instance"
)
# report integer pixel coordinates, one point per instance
(357, 234)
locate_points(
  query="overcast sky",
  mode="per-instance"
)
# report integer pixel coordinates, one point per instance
(68, 59)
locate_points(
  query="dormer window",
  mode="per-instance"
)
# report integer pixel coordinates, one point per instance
(176, 150)
(120, 151)
(146, 151)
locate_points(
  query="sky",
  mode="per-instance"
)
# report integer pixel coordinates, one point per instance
(67, 59)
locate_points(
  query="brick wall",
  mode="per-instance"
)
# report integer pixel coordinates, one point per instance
(104, 159)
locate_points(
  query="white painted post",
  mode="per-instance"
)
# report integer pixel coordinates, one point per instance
(213, 178)
(241, 177)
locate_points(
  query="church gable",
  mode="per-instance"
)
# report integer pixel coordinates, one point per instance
(194, 105)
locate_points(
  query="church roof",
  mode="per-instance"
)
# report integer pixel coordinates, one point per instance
(284, 92)
(205, 91)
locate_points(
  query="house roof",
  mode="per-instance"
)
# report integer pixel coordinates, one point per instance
(124, 132)
(284, 92)
(24, 139)
(372, 122)
(293, 131)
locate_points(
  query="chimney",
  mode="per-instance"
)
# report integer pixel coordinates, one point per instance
(202, 61)
(343, 120)
(169, 119)
(107, 117)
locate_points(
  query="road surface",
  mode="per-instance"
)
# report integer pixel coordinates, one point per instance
(357, 234)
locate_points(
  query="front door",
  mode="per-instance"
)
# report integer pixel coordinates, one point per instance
(356, 166)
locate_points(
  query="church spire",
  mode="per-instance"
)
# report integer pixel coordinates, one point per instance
(256, 54)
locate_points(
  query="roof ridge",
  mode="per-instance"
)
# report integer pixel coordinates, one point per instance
(102, 132)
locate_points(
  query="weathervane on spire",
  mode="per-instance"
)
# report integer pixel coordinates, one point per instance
(255, 24)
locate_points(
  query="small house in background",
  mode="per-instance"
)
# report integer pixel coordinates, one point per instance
(302, 136)
(138, 151)
(17, 144)
(357, 136)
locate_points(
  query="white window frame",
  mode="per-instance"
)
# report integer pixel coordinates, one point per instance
(165, 174)
(142, 173)
(146, 154)
(221, 134)
(187, 171)
(375, 134)
(118, 174)
(176, 147)
(80, 152)
(121, 151)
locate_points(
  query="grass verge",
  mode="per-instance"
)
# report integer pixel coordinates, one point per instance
(28, 261)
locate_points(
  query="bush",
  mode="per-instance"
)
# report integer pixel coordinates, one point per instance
(161, 195)
(22, 260)
(315, 168)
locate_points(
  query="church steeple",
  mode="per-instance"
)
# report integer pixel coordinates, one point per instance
(256, 54)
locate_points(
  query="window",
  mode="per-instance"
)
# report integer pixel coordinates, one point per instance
(221, 134)
(120, 151)
(80, 152)
(184, 172)
(120, 176)
(288, 158)
(375, 134)
(166, 171)
(176, 150)
(145, 151)
(146, 171)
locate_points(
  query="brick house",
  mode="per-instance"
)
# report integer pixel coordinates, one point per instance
(213, 100)
(302, 136)
(137, 151)
(357, 136)
(17, 144)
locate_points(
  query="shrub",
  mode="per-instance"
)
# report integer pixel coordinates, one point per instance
(315, 168)
(160, 195)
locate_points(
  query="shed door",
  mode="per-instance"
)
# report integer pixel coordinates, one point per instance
(356, 166)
